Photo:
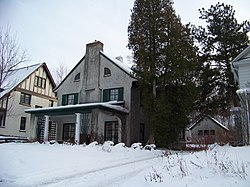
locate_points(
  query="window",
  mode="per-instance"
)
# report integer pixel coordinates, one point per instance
(2, 123)
(25, 99)
(77, 77)
(51, 103)
(70, 99)
(200, 132)
(23, 124)
(115, 94)
(206, 132)
(107, 72)
(111, 131)
(68, 131)
(40, 82)
(212, 132)
(85, 116)
(142, 129)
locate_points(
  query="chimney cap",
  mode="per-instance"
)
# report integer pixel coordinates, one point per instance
(95, 43)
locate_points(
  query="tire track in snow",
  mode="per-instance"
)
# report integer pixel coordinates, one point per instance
(109, 177)
(60, 180)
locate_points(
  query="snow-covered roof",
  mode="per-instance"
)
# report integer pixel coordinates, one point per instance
(242, 55)
(118, 63)
(15, 77)
(115, 61)
(243, 91)
(240, 59)
(110, 106)
(213, 119)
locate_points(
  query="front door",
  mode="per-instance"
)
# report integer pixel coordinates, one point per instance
(69, 132)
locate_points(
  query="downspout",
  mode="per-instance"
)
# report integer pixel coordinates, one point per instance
(6, 107)
(248, 118)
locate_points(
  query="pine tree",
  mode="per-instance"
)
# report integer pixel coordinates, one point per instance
(165, 62)
(219, 42)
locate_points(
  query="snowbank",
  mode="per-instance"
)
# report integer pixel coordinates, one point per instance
(34, 164)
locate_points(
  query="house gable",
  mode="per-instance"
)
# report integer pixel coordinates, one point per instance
(70, 73)
(119, 64)
(23, 79)
(241, 68)
(119, 78)
(92, 82)
(39, 82)
(208, 117)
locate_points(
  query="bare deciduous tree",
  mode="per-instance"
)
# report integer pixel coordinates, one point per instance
(59, 73)
(10, 55)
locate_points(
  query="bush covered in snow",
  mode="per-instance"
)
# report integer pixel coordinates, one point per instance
(107, 146)
(150, 147)
(93, 144)
(137, 145)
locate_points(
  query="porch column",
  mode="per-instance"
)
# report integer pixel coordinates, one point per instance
(46, 129)
(77, 129)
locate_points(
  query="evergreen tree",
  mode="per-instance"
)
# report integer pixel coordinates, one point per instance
(165, 62)
(219, 42)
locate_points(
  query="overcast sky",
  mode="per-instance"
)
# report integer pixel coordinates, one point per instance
(57, 31)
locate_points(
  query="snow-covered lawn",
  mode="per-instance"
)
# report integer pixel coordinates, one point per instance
(34, 164)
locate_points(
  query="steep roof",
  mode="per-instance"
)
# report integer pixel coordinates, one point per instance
(240, 59)
(210, 117)
(15, 77)
(80, 61)
(118, 63)
(242, 55)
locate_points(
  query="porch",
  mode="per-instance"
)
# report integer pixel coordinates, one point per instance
(79, 123)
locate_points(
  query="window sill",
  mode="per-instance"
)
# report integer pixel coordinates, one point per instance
(40, 87)
(22, 130)
(25, 104)
(78, 80)
(108, 75)
(2, 127)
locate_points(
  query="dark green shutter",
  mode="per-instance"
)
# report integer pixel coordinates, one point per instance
(64, 100)
(120, 94)
(105, 95)
(75, 98)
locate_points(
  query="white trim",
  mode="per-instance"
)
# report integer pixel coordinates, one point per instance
(77, 128)
(46, 129)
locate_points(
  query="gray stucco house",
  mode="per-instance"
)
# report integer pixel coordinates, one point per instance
(98, 100)
(241, 70)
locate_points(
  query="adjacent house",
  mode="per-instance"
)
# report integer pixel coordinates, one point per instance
(208, 130)
(24, 88)
(98, 100)
(241, 70)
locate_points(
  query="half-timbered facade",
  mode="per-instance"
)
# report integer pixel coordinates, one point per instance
(25, 88)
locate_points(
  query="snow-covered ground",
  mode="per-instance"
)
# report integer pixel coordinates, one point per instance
(34, 164)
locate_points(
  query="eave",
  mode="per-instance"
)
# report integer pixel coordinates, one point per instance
(112, 107)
